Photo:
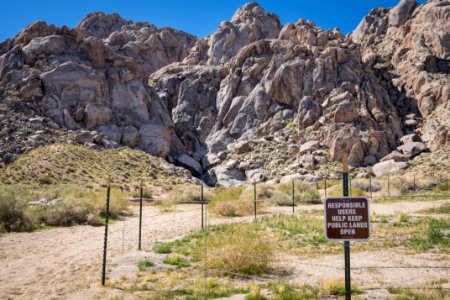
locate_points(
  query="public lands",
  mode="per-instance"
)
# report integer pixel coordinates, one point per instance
(144, 162)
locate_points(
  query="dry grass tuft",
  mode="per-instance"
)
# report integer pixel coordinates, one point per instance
(239, 251)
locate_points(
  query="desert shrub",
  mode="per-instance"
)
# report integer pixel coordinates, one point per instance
(232, 202)
(403, 185)
(13, 210)
(236, 208)
(67, 213)
(240, 250)
(427, 184)
(302, 192)
(443, 186)
(77, 206)
(281, 199)
(311, 196)
(227, 194)
(166, 206)
(365, 185)
(118, 205)
(45, 180)
(188, 192)
(337, 191)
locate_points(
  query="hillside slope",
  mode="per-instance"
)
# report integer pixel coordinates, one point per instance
(72, 164)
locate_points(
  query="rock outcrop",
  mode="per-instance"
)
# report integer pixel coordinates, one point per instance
(254, 100)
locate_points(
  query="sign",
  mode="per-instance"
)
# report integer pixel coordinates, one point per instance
(347, 218)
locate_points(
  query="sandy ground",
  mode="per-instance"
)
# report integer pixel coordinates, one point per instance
(65, 263)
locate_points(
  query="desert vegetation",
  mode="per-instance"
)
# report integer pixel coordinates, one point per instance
(69, 205)
(243, 258)
(239, 201)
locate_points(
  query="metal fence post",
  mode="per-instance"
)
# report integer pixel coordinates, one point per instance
(325, 187)
(389, 186)
(350, 184)
(293, 197)
(140, 216)
(348, 292)
(105, 245)
(370, 187)
(414, 184)
(254, 196)
(202, 201)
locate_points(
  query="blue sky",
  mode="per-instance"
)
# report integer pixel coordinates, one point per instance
(196, 17)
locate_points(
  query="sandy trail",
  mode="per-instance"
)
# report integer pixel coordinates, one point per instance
(56, 263)
(53, 263)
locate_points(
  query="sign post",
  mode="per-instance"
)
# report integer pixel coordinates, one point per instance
(140, 215)
(346, 219)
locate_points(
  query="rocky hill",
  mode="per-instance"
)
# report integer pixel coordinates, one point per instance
(256, 100)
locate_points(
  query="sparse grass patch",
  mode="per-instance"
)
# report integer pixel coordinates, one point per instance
(428, 232)
(175, 259)
(163, 248)
(443, 209)
(337, 287)
(284, 291)
(143, 264)
(410, 294)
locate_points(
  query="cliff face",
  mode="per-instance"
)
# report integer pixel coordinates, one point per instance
(409, 46)
(254, 100)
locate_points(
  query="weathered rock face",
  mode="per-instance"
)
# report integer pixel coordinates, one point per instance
(388, 166)
(301, 95)
(413, 42)
(95, 77)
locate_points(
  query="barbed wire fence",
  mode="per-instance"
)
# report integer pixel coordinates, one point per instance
(125, 240)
